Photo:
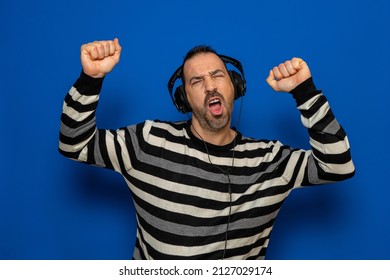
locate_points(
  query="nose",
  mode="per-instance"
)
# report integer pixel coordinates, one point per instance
(209, 84)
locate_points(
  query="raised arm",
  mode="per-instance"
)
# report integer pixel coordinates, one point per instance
(79, 137)
(329, 159)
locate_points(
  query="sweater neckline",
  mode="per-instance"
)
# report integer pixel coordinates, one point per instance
(201, 143)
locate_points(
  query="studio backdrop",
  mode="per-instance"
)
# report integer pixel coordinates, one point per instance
(55, 208)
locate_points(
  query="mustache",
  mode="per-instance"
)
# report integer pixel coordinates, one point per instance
(211, 95)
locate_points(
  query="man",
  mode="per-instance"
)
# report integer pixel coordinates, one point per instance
(202, 190)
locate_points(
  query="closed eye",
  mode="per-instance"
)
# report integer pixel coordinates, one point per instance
(217, 74)
(196, 81)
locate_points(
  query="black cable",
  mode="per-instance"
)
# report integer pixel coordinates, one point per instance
(228, 221)
(226, 173)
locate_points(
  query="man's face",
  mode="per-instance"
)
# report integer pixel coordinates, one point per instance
(210, 91)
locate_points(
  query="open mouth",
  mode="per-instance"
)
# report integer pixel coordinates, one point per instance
(215, 106)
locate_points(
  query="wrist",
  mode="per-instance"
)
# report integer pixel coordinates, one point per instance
(304, 91)
(88, 85)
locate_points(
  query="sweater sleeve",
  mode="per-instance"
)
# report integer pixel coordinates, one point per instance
(79, 137)
(329, 159)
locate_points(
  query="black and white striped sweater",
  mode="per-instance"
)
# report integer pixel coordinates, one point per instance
(193, 203)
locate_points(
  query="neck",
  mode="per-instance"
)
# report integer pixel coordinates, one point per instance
(221, 137)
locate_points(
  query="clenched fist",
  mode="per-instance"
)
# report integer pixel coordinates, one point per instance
(100, 57)
(288, 75)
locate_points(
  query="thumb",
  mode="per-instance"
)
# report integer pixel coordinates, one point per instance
(117, 45)
(118, 48)
(273, 83)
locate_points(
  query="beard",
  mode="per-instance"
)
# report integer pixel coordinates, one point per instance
(210, 122)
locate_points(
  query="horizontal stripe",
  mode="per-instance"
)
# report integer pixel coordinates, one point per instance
(316, 117)
(74, 148)
(331, 148)
(184, 189)
(73, 114)
(83, 99)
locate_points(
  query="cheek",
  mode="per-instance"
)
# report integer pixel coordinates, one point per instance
(230, 92)
(195, 99)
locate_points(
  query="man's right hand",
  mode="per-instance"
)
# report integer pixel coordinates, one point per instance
(100, 57)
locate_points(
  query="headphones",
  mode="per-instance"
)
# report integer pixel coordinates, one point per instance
(179, 98)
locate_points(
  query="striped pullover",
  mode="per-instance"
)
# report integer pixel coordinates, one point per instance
(195, 200)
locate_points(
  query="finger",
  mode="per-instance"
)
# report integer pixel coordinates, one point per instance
(271, 80)
(117, 45)
(89, 50)
(290, 68)
(270, 77)
(283, 70)
(297, 63)
(111, 48)
(118, 49)
(101, 48)
(106, 48)
(277, 74)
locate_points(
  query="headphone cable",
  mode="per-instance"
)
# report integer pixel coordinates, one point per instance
(226, 173)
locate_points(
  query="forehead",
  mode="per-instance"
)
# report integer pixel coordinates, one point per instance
(202, 64)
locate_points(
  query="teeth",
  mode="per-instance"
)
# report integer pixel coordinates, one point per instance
(214, 101)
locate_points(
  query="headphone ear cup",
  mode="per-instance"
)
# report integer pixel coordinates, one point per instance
(181, 101)
(238, 83)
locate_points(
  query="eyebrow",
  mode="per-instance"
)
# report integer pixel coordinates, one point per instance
(211, 73)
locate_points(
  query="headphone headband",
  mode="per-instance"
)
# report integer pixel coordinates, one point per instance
(179, 98)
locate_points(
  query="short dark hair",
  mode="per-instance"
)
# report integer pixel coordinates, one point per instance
(199, 49)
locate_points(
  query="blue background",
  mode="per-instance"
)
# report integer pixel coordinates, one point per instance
(53, 208)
